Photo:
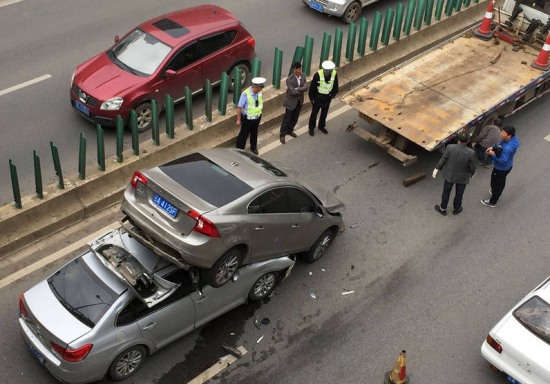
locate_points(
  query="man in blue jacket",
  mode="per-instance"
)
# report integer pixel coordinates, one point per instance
(502, 155)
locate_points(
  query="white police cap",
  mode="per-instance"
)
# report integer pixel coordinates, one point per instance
(259, 81)
(328, 65)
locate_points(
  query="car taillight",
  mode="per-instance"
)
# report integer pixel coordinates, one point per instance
(203, 225)
(493, 343)
(251, 42)
(22, 308)
(72, 355)
(138, 177)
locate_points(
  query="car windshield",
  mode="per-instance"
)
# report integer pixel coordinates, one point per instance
(535, 315)
(140, 52)
(82, 292)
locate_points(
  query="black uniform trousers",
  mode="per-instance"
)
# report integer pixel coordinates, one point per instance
(320, 103)
(290, 119)
(498, 182)
(248, 128)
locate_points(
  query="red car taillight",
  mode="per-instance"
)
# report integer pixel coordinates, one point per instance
(203, 225)
(22, 308)
(493, 343)
(72, 355)
(138, 177)
(251, 42)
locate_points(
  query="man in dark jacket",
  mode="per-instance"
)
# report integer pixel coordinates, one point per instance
(323, 88)
(458, 167)
(296, 85)
(488, 136)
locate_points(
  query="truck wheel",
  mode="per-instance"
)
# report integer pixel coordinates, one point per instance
(224, 269)
(127, 363)
(320, 246)
(144, 113)
(352, 13)
(245, 76)
(263, 286)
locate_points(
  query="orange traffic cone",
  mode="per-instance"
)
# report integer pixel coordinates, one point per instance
(484, 31)
(542, 61)
(399, 373)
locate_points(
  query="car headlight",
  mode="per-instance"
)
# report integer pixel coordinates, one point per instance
(112, 104)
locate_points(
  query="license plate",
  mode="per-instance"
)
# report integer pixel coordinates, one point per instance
(35, 353)
(316, 6)
(512, 380)
(165, 206)
(82, 108)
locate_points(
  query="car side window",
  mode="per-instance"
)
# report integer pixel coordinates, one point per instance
(273, 201)
(299, 201)
(216, 42)
(183, 58)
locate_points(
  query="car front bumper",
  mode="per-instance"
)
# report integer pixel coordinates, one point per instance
(329, 7)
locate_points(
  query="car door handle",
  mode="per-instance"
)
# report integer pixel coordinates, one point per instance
(260, 228)
(201, 300)
(295, 225)
(150, 325)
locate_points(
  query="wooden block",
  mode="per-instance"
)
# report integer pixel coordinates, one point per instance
(413, 179)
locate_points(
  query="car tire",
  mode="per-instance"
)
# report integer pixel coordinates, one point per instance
(320, 246)
(245, 76)
(127, 363)
(352, 12)
(144, 113)
(264, 286)
(224, 269)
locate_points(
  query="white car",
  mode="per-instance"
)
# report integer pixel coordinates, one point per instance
(348, 10)
(519, 345)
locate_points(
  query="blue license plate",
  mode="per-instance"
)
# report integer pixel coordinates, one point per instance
(35, 352)
(165, 206)
(512, 380)
(82, 108)
(316, 6)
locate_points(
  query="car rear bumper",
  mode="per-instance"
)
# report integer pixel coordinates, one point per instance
(496, 359)
(328, 7)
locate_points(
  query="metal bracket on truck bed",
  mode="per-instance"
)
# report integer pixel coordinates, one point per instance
(384, 142)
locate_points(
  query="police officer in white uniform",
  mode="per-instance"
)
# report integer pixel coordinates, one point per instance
(249, 114)
(322, 89)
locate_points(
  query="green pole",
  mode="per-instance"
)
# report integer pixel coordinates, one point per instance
(298, 56)
(449, 7)
(208, 97)
(409, 17)
(256, 66)
(398, 21)
(308, 52)
(82, 157)
(119, 132)
(155, 117)
(337, 52)
(189, 107)
(429, 12)
(350, 45)
(362, 43)
(439, 9)
(57, 165)
(419, 15)
(375, 33)
(457, 5)
(135, 133)
(222, 104)
(37, 176)
(15, 185)
(277, 67)
(169, 105)
(237, 85)
(325, 48)
(467, 3)
(101, 146)
(388, 22)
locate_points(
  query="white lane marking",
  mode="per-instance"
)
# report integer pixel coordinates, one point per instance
(54, 256)
(25, 84)
(305, 129)
(222, 363)
(9, 2)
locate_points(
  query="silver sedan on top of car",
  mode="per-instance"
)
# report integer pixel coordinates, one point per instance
(104, 312)
(221, 208)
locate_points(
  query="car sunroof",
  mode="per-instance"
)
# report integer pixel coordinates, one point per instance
(171, 27)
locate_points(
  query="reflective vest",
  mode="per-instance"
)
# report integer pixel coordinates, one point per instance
(324, 87)
(253, 111)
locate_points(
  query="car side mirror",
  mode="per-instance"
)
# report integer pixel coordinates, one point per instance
(319, 211)
(194, 275)
(117, 39)
(235, 276)
(170, 73)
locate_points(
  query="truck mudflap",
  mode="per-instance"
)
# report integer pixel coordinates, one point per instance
(159, 248)
(384, 140)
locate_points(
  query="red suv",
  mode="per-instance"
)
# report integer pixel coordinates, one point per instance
(159, 57)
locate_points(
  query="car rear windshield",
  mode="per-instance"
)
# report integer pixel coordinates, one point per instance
(82, 292)
(534, 314)
(140, 53)
(205, 179)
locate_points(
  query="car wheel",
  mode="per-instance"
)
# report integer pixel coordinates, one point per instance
(224, 269)
(245, 76)
(319, 248)
(144, 113)
(263, 286)
(352, 13)
(127, 363)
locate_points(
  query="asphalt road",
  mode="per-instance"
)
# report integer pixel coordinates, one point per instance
(45, 41)
(431, 285)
